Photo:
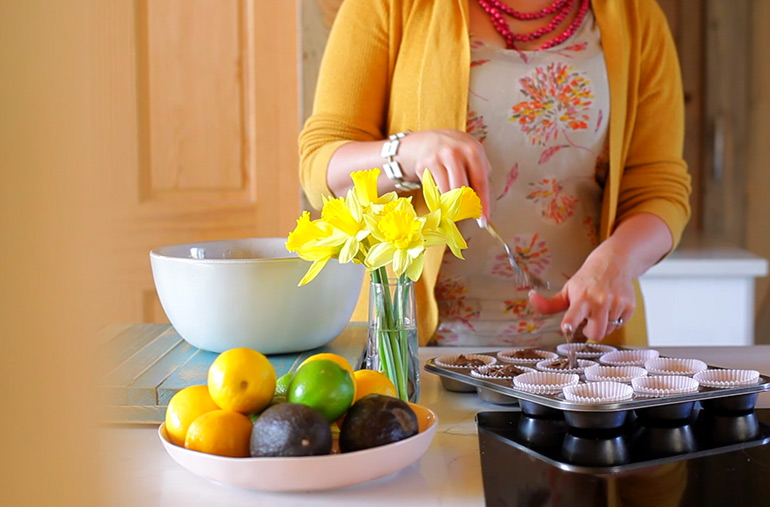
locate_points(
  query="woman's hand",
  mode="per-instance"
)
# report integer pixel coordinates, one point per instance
(454, 158)
(602, 291)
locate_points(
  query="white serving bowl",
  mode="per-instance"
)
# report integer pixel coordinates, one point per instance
(224, 294)
(308, 473)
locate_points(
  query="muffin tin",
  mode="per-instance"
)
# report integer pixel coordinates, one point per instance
(736, 399)
(636, 445)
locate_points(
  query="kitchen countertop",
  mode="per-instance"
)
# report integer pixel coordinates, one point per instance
(138, 471)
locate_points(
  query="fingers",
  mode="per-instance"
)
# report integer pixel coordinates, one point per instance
(598, 317)
(455, 159)
(548, 306)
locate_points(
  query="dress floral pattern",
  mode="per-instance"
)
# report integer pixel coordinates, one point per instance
(541, 116)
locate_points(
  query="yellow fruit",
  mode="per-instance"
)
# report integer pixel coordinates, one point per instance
(220, 432)
(242, 380)
(331, 357)
(185, 406)
(373, 382)
(424, 416)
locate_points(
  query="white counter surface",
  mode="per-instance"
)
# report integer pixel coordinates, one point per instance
(138, 471)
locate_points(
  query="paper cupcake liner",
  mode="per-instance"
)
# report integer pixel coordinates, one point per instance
(449, 361)
(508, 356)
(625, 374)
(590, 350)
(665, 385)
(723, 379)
(485, 371)
(628, 357)
(582, 365)
(544, 382)
(598, 392)
(674, 366)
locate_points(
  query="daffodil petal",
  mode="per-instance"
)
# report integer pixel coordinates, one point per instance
(400, 262)
(379, 255)
(313, 271)
(349, 250)
(430, 191)
(415, 268)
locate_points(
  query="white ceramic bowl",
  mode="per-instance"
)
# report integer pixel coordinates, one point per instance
(311, 473)
(243, 293)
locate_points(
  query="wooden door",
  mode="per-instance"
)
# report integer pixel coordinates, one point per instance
(199, 126)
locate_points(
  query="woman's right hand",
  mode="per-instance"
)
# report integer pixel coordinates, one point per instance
(454, 158)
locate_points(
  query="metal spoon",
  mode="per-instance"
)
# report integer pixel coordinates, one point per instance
(523, 276)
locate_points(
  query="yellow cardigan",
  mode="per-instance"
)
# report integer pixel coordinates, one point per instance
(393, 65)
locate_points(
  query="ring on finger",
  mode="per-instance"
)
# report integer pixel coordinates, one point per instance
(618, 322)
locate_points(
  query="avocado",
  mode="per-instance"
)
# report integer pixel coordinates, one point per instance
(290, 429)
(376, 420)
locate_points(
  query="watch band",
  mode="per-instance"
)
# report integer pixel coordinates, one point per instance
(391, 166)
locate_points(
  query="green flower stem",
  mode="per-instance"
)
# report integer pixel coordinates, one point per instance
(391, 339)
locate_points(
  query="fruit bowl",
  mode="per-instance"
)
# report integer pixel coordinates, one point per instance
(312, 473)
(225, 294)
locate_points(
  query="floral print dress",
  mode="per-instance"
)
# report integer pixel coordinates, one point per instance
(542, 117)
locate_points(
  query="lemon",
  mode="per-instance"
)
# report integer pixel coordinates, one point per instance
(220, 432)
(323, 385)
(183, 408)
(373, 382)
(242, 380)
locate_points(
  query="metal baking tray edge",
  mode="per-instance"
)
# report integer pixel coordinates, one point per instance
(557, 401)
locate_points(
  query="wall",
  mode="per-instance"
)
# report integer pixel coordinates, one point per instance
(758, 181)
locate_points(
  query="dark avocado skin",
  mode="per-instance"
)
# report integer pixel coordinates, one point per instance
(290, 429)
(376, 420)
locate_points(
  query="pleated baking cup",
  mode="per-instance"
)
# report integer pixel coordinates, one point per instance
(602, 373)
(525, 355)
(453, 360)
(499, 371)
(674, 366)
(723, 379)
(585, 350)
(544, 382)
(635, 357)
(664, 385)
(557, 365)
(598, 392)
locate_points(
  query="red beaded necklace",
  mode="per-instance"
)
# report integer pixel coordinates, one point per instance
(496, 8)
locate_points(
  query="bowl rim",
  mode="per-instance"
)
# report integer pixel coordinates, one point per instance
(161, 430)
(156, 253)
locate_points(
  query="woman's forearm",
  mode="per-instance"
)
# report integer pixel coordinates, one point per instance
(639, 242)
(351, 157)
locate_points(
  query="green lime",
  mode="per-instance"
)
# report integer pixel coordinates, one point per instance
(323, 385)
(282, 385)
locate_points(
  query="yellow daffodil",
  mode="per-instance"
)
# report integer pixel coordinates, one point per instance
(382, 229)
(398, 231)
(345, 216)
(310, 240)
(365, 187)
(454, 205)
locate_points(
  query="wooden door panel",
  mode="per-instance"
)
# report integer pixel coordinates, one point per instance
(202, 118)
(193, 72)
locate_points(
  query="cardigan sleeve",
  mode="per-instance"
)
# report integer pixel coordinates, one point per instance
(351, 98)
(655, 178)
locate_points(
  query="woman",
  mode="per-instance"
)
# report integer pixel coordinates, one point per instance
(565, 116)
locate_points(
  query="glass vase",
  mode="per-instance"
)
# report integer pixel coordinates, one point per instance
(392, 346)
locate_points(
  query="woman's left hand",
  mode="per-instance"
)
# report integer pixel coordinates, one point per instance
(601, 293)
